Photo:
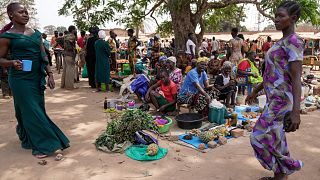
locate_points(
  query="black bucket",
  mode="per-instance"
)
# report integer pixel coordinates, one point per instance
(189, 120)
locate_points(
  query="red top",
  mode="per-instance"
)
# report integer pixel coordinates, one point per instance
(244, 65)
(168, 91)
(80, 42)
(266, 46)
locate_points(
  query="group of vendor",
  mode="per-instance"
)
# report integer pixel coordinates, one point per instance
(169, 87)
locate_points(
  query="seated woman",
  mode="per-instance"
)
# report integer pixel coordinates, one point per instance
(175, 73)
(141, 83)
(196, 90)
(247, 67)
(165, 100)
(192, 64)
(226, 84)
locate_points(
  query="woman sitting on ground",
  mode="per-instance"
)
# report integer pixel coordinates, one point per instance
(226, 84)
(141, 83)
(196, 90)
(175, 73)
(165, 100)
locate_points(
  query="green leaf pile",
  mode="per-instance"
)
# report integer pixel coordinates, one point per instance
(123, 128)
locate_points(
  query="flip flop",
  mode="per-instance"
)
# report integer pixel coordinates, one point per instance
(41, 156)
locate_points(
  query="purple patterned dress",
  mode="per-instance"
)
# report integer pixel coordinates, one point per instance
(268, 137)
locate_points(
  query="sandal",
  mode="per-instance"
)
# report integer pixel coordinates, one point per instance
(41, 156)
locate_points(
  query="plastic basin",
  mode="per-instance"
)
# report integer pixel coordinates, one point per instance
(189, 120)
(165, 128)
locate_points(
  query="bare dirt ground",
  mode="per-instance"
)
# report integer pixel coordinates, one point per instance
(79, 114)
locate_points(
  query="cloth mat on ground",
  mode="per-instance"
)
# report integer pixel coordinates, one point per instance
(195, 141)
(239, 109)
(138, 152)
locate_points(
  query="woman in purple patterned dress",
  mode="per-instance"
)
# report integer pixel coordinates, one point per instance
(283, 89)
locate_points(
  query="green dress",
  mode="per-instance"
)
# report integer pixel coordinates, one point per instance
(103, 52)
(35, 129)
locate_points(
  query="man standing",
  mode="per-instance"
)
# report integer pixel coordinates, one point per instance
(267, 45)
(133, 43)
(204, 45)
(114, 45)
(80, 40)
(215, 46)
(53, 43)
(191, 47)
(68, 74)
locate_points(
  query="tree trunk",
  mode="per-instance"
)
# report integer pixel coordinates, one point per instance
(185, 22)
(137, 31)
(181, 21)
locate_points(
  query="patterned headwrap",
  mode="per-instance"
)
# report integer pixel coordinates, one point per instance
(202, 59)
(163, 58)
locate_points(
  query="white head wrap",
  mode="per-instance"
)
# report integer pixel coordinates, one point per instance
(172, 59)
(102, 34)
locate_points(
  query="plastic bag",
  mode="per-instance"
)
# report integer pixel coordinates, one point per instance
(144, 138)
(216, 104)
(85, 72)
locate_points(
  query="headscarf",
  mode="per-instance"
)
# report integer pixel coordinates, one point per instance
(202, 59)
(163, 58)
(172, 59)
(102, 34)
(140, 68)
(227, 64)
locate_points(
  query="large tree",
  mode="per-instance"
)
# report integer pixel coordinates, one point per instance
(49, 29)
(186, 15)
(61, 29)
(29, 4)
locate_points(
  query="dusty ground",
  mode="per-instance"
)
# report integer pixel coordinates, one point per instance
(79, 114)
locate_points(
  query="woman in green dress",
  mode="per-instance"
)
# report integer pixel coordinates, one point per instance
(103, 53)
(35, 129)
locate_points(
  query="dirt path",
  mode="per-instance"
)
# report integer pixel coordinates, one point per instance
(79, 114)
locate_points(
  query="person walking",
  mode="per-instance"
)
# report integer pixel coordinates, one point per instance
(282, 86)
(35, 129)
(103, 52)
(69, 63)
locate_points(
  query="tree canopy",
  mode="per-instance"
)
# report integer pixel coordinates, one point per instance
(49, 29)
(185, 15)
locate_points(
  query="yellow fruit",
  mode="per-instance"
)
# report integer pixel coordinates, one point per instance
(152, 149)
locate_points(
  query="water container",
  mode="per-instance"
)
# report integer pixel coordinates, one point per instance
(262, 101)
(217, 115)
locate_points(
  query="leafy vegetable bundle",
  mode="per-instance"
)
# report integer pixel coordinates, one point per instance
(123, 128)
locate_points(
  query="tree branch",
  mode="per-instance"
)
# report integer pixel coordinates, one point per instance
(261, 11)
(225, 3)
(151, 15)
(155, 7)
